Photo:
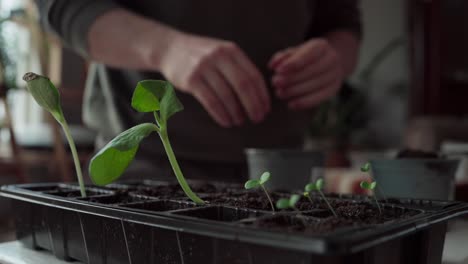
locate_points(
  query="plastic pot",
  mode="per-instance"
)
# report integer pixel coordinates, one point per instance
(291, 169)
(416, 178)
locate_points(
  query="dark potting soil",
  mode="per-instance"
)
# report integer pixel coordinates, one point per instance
(72, 193)
(175, 191)
(258, 200)
(245, 199)
(119, 197)
(350, 214)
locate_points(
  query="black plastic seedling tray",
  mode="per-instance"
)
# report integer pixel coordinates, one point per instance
(125, 223)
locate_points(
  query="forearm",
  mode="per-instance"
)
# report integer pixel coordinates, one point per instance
(346, 44)
(122, 39)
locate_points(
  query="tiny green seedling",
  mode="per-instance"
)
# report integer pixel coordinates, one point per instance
(285, 203)
(317, 186)
(371, 186)
(150, 96)
(366, 168)
(47, 96)
(255, 183)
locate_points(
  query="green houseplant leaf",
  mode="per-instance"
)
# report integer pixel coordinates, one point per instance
(112, 160)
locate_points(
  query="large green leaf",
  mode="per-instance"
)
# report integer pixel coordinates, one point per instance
(45, 94)
(112, 160)
(156, 95)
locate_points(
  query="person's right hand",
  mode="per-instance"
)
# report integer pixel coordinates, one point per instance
(219, 75)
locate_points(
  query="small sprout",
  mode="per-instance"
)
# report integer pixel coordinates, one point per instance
(254, 183)
(307, 195)
(371, 186)
(47, 96)
(366, 168)
(285, 203)
(368, 185)
(317, 186)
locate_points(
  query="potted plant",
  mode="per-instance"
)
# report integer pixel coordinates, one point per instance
(201, 222)
(416, 174)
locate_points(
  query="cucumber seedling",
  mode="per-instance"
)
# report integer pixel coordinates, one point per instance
(366, 168)
(317, 186)
(48, 97)
(371, 186)
(288, 203)
(150, 96)
(255, 183)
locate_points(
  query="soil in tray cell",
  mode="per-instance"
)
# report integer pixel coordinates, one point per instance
(349, 215)
(174, 190)
(219, 213)
(159, 206)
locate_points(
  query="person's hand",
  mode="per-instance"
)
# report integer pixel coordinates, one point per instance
(219, 75)
(307, 74)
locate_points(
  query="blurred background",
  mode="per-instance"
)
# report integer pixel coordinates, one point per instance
(409, 91)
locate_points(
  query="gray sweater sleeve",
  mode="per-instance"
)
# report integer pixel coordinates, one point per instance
(71, 19)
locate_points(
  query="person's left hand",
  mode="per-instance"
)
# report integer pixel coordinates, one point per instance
(308, 74)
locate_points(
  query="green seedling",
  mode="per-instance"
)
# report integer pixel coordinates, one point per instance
(47, 96)
(255, 183)
(317, 186)
(285, 203)
(371, 186)
(150, 96)
(366, 168)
